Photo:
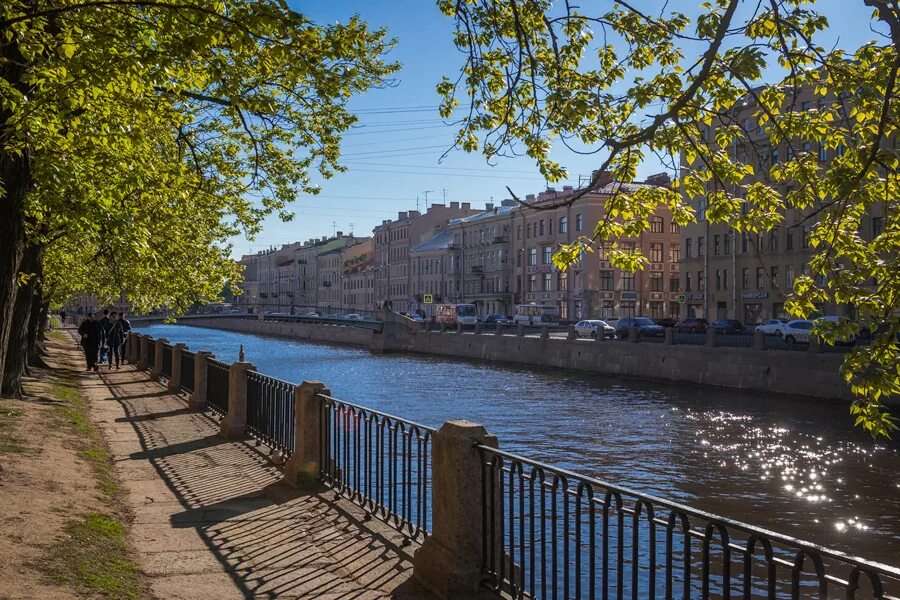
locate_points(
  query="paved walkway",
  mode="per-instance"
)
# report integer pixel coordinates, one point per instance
(213, 520)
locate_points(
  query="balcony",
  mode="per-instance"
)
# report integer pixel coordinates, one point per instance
(500, 239)
(478, 268)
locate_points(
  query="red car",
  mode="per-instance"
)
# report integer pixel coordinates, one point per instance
(692, 325)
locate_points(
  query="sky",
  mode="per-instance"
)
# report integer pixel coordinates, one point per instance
(393, 154)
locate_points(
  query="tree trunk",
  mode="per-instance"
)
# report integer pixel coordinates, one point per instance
(17, 346)
(36, 325)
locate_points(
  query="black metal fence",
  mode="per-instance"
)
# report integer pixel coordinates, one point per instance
(270, 411)
(380, 462)
(217, 385)
(151, 352)
(166, 361)
(550, 533)
(187, 371)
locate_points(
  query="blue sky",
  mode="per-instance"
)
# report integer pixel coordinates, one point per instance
(393, 154)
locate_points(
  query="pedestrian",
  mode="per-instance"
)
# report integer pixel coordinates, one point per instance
(90, 340)
(126, 333)
(62, 318)
(114, 338)
(105, 323)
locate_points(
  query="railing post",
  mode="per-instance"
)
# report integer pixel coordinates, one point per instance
(711, 337)
(133, 348)
(520, 330)
(450, 561)
(443, 327)
(458, 327)
(478, 327)
(571, 334)
(234, 424)
(815, 345)
(303, 467)
(198, 398)
(175, 379)
(759, 340)
(144, 350)
(545, 332)
(634, 334)
(156, 370)
(670, 336)
(499, 329)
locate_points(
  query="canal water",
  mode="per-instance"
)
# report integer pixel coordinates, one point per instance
(791, 464)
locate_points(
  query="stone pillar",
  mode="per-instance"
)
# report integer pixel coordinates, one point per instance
(458, 327)
(198, 398)
(711, 337)
(634, 334)
(175, 380)
(670, 336)
(571, 334)
(520, 330)
(132, 348)
(302, 468)
(449, 563)
(156, 369)
(759, 340)
(499, 329)
(234, 424)
(478, 327)
(545, 332)
(599, 337)
(143, 351)
(815, 346)
(443, 327)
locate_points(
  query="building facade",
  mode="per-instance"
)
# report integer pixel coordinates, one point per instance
(358, 277)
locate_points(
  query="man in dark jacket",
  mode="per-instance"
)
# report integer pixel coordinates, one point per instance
(126, 331)
(114, 338)
(105, 325)
(90, 340)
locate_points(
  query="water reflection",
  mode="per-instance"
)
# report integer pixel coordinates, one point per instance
(791, 464)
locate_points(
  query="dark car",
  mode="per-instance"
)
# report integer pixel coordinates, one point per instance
(667, 322)
(728, 326)
(692, 325)
(496, 318)
(646, 327)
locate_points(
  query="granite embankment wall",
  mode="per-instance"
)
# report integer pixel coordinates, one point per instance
(314, 332)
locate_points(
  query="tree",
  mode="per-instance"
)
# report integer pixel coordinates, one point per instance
(149, 131)
(624, 83)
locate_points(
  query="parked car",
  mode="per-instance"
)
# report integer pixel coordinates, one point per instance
(353, 316)
(496, 318)
(796, 331)
(646, 327)
(692, 325)
(667, 322)
(771, 327)
(593, 328)
(310, 314)
(727, 326)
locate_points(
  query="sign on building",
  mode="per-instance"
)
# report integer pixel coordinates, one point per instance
(427, 298)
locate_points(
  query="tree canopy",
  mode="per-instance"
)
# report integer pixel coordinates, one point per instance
(626, 83)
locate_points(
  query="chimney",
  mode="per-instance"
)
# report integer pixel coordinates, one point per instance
(605, 177)
(489, 206)
(340, 234)
(435, 205)
(466, 205)
(567, 188)
(401, 216)
(529, 197)
(454, 205)
(659, 179)
(509, 202)
(414, 213)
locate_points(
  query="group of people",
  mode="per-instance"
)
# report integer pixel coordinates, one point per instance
(104, 339)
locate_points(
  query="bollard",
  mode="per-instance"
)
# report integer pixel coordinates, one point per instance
(234, 425)
(599, 337)
(520, 330)
(144, 350)
(450, 561)
(634, 334)
(545, 332)
(303, 467)
(711, 337)
(133, 348)
(499, 329)
(175, 381)
(670, 336)
(156, 370)
(458, 327)
(477, 327)
(443, 327)
(571, 334)
(198, 398)
(759, 340)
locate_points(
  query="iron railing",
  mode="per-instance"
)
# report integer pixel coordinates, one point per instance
(166, 361)
(217, 385)
(551, 533)
(187, 371)
(151, 353)
(270, 411)
(380, 462)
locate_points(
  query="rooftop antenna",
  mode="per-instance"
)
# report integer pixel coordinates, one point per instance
(426, 192)
(333, 228)
(351, 229)
(417, 202)
(444, 192)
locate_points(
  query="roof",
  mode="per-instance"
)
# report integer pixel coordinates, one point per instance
(439, 241)
(494, 213)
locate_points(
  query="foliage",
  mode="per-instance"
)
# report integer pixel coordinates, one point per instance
(157, 130)
(624, 83)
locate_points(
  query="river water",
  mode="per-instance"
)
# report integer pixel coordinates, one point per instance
(791, 464)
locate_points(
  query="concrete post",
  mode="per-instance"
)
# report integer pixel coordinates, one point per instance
(520, 330)
(711, 337)
(449, 563)
(144, 350)
(156, 370)
(234, 424)
(499, 329)
(815, 346)
(478, 327)
(443, 327)
(545, 332)
(458, 327)
(571, 334)
(759, 340)
(302, 468)
(670, 336)
(600, 334)
(175, 380)
(634, 334)
(198, 398)
(133, 348)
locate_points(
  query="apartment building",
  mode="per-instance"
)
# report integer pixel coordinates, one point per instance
(358, 277)
(727, 274)
(393, 240)
(433, 268)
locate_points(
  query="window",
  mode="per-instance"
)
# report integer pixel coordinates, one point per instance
(725, 279)
(823, 153)
(541, 227)
(775, 156)
(564, 225)
(773, 240)
(701, 281)
(748, 125)
(579, 222)
(701, 209)
(728, 237)
(687, 282)
(773, 277)
(656, 282)
(532, 257)
(548, 282)
(877, 226)
(789, 239)
(760, 274)
(717, 247)
(804, 106)
(807, 230)
(548, 254)
(518, 259)
(519, 232)
(563, 281)
(528, 232)
(688, 250)
(606, 281)
(701, 246)
(656, 253)
(674, 253)
(745, 278)
(674, 227)
(673, 283)
(656, 310)
(656, 225)
(550, 226)
(627, 281)
(745, 242)
(532, 283)
(789, 277)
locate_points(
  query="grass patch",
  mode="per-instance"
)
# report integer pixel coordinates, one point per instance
(92, 557)
(10, 443)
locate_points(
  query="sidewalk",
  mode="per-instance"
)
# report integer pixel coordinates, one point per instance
(213, 520)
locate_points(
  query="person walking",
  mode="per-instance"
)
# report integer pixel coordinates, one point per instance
(126, 333)
(105, 324)
(90, 340)
(114, 338)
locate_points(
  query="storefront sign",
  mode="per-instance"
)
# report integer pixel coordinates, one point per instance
(754, 295)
